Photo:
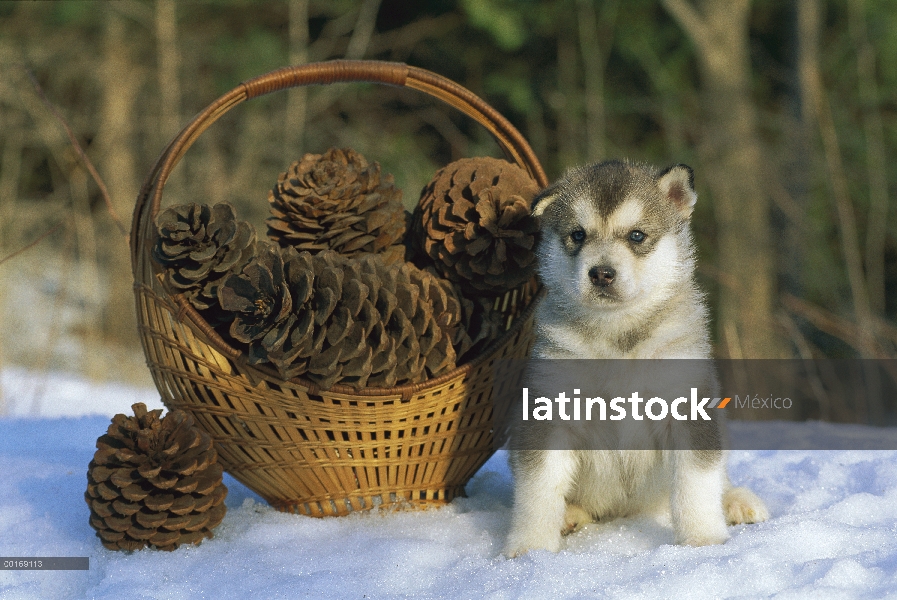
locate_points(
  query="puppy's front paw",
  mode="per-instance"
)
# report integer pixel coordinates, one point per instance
(741, 505)
(702, 538)
(521, 542)
(702, 528)
(513, 552)
(575, 517)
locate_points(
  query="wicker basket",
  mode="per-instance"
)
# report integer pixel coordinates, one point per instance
(302, 449)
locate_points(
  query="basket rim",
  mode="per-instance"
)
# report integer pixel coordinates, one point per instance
(149, 199)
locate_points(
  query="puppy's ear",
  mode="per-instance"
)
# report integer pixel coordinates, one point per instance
(543, 201)
(677, 184)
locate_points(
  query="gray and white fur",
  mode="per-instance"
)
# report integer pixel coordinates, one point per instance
(617, 260)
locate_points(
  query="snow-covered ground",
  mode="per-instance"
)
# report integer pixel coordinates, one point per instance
(833, 532)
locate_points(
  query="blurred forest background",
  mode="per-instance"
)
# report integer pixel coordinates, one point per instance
(786, 110)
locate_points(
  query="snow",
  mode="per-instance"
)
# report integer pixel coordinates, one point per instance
(833, 531)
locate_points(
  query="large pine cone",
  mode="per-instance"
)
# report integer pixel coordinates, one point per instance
(354, 320)
(154, 482)
(474, 223)
(258, 298)
(198, 246)
(338, 201)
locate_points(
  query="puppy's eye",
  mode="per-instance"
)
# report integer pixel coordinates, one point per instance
(578, 235)
(636, 236)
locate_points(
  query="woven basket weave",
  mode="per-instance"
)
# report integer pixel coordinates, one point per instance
(330, 452)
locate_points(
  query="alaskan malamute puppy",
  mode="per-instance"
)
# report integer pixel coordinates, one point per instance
(617, 258)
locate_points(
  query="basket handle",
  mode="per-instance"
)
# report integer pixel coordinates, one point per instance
(323, 73)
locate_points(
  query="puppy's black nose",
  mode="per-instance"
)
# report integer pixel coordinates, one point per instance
(602, 276)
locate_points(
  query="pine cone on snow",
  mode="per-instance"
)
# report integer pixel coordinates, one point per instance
(198, 246)
(474, 223)
(338, 201)
(154, 482)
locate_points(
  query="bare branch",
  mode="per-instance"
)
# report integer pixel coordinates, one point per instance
(34, 243)
(401, 40)
(325, 45)
(887, 331)
(358, 45)
(364, 29)
(440, 121)
(809, 20)
(299, 35)
(689, 19)
(136, 11)
(169, 63)
(77, 146)
(668, 97)
(876, 221)
(594, 60)
(805, 351)
(839, 327)
(786, 203)
(297, 98)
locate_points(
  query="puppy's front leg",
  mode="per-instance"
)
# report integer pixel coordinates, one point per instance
(543, 478)
(698, 482)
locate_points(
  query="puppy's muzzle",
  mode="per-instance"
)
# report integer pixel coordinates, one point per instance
(602, 276)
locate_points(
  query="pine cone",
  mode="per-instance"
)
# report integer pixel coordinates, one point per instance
(198, 246)
(481, 324)
(474, 223)
(337, 201)
(408, 326)
(154, 482)
(354, 320)
(258, 299)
